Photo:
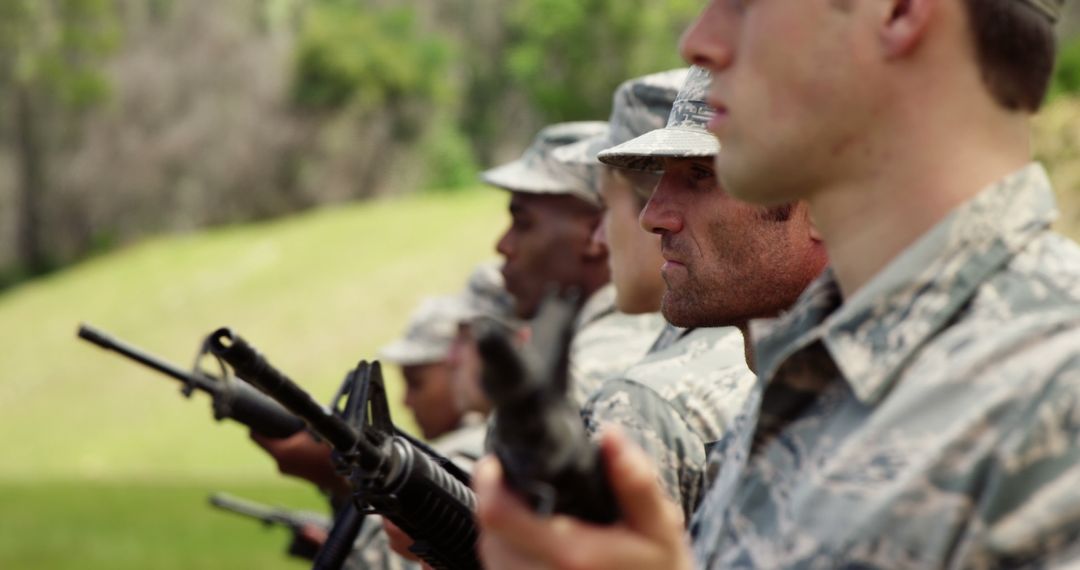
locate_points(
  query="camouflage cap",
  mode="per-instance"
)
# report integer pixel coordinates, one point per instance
(639, 106)
(485, 295)
(427, 339)
(685, 135)
(1050, 8)
(537, 172)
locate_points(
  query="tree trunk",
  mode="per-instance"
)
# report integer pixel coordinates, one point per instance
(32, 182)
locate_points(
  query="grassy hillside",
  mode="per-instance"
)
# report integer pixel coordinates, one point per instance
(110, 526)
(314, 292)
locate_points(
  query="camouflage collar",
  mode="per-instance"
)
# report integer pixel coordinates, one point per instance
(598, 305)
(873, 335)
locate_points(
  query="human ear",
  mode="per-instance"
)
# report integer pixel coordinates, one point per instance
(903, 25)
(596, 248)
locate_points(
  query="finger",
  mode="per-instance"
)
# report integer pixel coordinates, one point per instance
(503, 516)
(646, 508)
(399, 541)
(260, 439)
(497, 554)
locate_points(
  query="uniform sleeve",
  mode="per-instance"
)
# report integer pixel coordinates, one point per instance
(657, 427)
(1031, 516)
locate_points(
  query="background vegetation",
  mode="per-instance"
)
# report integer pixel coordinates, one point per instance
(301, 170)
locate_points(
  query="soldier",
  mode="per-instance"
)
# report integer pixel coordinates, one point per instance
(554, 210)
(671, 412)
(438, 334)
(485, 297)
(921, 408)
(423, 355)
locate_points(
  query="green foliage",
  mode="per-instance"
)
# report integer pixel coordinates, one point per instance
(1067, 72)
(372, 57)
(569, 55)
(448, 157)
(57, 47)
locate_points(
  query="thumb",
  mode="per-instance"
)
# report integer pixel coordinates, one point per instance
(646, 509)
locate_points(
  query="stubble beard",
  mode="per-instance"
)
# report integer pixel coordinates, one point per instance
(691, 304)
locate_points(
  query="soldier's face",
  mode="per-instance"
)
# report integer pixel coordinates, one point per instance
(465, 372)
(726, 261)
(427, 392)
(790, 79)
(633, 254)
(549, 242)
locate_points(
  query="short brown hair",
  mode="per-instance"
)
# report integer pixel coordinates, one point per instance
(1015, 46)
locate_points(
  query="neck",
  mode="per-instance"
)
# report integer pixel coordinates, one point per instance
(867, 220)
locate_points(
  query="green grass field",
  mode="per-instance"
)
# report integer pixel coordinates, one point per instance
(105, 465)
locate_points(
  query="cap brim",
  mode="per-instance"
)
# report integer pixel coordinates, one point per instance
(648, 151)
(410, 353)
(516, 176)
(582, 153)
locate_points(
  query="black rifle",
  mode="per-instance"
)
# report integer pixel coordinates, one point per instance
(420, 492)
(538, 434)
(231, 399)
(300, 547)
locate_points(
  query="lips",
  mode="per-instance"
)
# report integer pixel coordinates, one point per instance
(670, 250)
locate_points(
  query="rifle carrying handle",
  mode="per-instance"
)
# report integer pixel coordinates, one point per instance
(339, 544)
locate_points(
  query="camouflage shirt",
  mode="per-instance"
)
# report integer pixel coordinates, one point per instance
(930, 421)
(606, 342)
(677, 402)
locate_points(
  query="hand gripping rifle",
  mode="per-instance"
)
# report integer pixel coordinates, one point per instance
(538, 435)
(231, 399)
(406, 483)
(300, 547)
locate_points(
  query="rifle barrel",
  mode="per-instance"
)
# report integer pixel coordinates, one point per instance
(104, 340)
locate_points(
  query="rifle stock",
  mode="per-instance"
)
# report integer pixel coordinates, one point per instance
(538, 434)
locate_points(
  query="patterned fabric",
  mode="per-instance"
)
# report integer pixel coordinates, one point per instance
(930, 421)
(1050, 8)
(676, 403)
(685, 135)
(639, 106)
(430, 332)
(606, 342)
(537, 171)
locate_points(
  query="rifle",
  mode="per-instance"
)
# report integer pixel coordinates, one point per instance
(301, 546)
(411, 485)
(231, 399)
(538, 435)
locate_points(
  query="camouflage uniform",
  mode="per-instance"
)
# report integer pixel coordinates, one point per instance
(677, 402)
(684, 396)
(929, 421)
(606, 342)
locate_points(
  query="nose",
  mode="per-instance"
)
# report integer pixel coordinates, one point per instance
(707, 42)
(599, 235)
(504, 246)
(660, 216)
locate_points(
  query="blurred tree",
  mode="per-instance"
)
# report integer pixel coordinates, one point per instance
(1067, 72)
(569, 55)
(50, 51)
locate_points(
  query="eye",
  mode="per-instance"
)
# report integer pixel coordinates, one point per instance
(520, 223)
(700, 173)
